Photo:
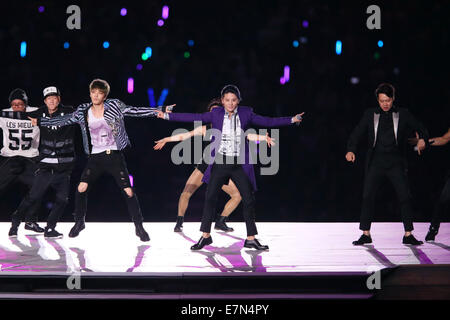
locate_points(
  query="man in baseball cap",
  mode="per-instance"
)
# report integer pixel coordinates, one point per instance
(57, 159)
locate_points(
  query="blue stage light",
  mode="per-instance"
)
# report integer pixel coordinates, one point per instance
(23, 49)
(106, 44)
(338, 47)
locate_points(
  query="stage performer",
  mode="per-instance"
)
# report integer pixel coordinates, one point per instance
(230, 120)
(104, 139)
(19, 151)
(195, 179)
(56, 162)
(444, 198)
(387, 127)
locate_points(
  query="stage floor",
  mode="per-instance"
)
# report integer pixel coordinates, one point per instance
(294, 247)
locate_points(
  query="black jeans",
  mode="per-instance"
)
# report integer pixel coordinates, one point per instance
(441, 205)
(112, 163)
(19, 169)
(45, 178)
(393, 169)
(220, 174)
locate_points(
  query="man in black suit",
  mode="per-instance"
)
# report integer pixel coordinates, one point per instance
(387, 127)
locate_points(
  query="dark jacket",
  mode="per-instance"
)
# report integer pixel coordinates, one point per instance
(405, 124)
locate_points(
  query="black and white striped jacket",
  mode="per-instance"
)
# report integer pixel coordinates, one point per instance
(115, 110)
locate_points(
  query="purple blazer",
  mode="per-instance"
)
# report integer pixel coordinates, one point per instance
(247, 118)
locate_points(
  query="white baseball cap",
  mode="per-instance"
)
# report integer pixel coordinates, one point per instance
(51, 91)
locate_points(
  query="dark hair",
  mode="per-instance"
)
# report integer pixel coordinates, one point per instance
(386, 88)
(101, 85)
(230, 88)
(214, 102)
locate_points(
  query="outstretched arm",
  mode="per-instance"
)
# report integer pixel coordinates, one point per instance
(201, 130)
(186, 117)
(60, 121)
(440, 141)
(269, 122)
(130, 111)
(258, 137)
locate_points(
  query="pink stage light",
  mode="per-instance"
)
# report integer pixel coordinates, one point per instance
(165, 12)
(287, 73)
(130, 86)
(131, 180)
(160, 23)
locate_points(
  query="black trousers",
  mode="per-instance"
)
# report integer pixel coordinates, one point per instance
(19, 169)
(112, 163)
(441, 205)
(220, 174)
(393, 169)
(45, 178)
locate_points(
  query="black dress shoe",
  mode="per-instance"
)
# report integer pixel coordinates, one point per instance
(221, 225)
(76, 229)
(255, 245)
(411, 240)
(362, 240)
(52, 233)
(141, 233)
(431, 235)
(201, 243)
(33, 226)
(179, 225)
(12, 232)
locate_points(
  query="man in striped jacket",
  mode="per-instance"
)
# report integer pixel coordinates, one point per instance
(104, 139)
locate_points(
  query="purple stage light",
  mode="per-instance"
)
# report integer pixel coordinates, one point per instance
(160, 23)
(131, 180)
(130, 86)
(41, 9)
(287, 71)
(139, 67)
(123, 12)
(165, 12)
(305, 24)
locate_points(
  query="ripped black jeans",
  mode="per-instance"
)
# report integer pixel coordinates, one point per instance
(112, 163)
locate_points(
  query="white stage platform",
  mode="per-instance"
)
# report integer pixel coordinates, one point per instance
(294, 247)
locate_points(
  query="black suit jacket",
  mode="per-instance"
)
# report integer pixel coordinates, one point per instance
(405, 124)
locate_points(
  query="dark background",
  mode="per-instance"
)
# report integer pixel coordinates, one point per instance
(246, 43)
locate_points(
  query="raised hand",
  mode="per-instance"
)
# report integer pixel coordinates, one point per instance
(169, 108)
(298, 117)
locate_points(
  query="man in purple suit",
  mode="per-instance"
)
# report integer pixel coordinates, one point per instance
(232, 159)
